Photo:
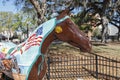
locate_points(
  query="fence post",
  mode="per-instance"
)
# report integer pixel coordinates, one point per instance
(48, 75)
(96, 59)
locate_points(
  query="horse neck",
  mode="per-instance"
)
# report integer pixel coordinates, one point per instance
(51, 37)
(46, 33)
(47, 42)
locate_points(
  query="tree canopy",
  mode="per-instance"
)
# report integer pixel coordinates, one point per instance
(44, 8)
(84, 10)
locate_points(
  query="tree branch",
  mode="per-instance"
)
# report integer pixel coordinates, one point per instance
(41, 9)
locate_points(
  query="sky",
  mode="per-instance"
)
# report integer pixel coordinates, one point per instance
(8, 6)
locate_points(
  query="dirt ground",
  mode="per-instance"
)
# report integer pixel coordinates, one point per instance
(111, 49)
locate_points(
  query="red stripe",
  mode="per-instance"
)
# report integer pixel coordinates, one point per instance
(39, 37)
(37, 41)
(21, 51)
(32, 37)
(23, 44)
(27, 47)
(13, 52)
(33, 43)
(35, 38)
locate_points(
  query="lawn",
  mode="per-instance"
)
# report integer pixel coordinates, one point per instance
(111, 49)
(107, 67)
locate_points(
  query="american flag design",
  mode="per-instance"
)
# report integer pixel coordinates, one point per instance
(27, 52)
(34, 40)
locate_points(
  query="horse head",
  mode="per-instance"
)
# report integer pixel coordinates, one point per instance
(69, 32)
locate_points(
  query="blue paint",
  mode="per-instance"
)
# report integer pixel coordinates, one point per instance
(26, 56)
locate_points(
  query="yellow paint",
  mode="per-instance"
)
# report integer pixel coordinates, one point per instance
(4, 50)
(58, 29)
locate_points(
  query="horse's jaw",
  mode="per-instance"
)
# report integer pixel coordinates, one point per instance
(87, 49)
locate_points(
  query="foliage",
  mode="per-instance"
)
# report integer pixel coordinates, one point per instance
(6, 20)
(85, 10)
(96, 32)
(84, 7)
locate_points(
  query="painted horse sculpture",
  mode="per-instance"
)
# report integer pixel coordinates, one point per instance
(30, 55)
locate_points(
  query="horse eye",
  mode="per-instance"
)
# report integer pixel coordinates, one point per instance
(68, 23)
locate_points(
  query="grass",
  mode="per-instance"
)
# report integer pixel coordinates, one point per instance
(111, 49)
(105, 67)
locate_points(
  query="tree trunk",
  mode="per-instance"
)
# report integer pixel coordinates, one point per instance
(104, 29)
(40, 7)
(118, 34)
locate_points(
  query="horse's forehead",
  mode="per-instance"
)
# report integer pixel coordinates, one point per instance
(69, 24)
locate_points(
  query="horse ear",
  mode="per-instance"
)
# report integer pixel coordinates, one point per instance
(64, 13)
